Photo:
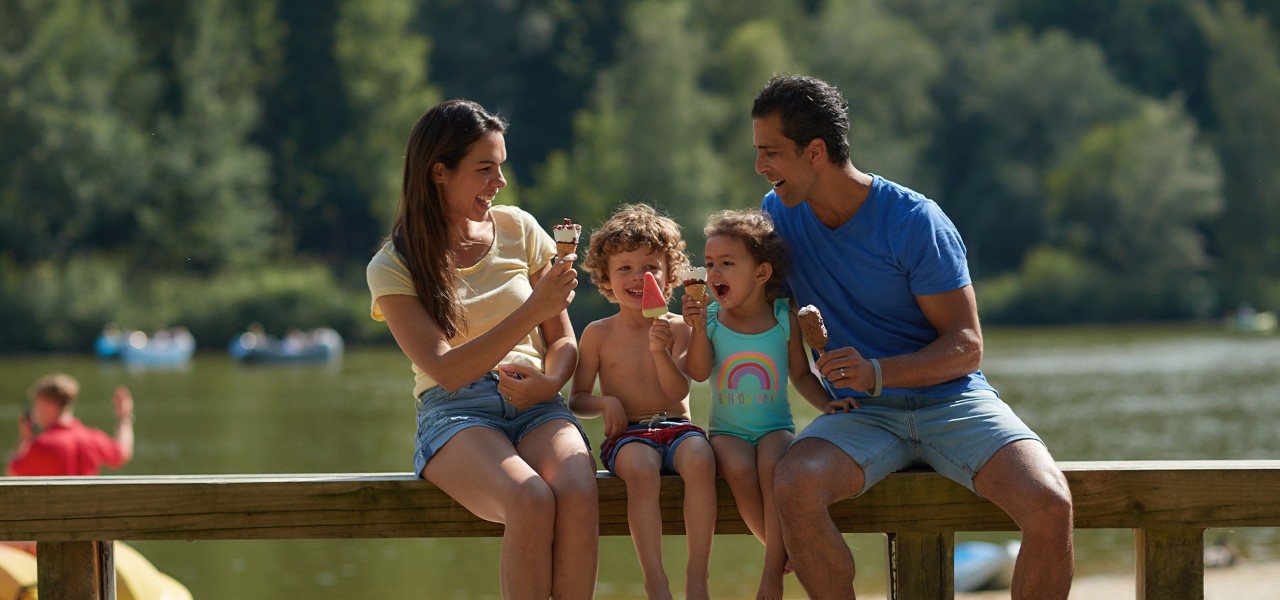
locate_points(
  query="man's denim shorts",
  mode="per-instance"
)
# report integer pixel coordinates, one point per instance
(955, 436)
(441, 415)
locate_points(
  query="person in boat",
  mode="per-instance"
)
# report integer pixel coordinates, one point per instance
(471, 296)
(887, 270)
(53, 442)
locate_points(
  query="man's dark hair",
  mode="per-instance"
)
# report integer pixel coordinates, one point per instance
(810, 108)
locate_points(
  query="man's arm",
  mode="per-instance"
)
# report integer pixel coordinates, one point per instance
(957, 351)
(124, 423)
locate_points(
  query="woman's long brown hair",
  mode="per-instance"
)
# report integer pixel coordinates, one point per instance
(420, 233)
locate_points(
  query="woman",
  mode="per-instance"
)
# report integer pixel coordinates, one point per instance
(491, 346)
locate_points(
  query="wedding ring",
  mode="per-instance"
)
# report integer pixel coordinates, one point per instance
(842, 375)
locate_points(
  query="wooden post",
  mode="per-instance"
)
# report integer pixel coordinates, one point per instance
(76, 570)
(921, 566)
(1170, 563)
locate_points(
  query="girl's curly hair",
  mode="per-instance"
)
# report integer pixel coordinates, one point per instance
(755, 229)
(631, 227)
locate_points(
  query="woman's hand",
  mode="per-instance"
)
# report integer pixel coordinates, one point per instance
(524, 386)
(554, 291)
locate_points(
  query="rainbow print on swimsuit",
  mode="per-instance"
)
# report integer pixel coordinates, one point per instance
(748, 378)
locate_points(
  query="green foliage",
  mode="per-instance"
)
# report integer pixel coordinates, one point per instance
(1024, 101)
(73, 159)
(647, 135)
(1133, 196)
(161, 161)
(885, 67)
(1244, 83)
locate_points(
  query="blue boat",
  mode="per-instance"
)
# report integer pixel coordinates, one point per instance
(984, 565)
(170, 347)
(316, 346)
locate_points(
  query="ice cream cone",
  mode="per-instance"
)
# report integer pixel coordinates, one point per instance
(566, 235)
(564, 249)
(694, 280)
(697, 291)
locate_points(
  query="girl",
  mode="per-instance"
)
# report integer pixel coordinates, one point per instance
(748, 342)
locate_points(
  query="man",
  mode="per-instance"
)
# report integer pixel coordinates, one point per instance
(887, 269)
(65, 446)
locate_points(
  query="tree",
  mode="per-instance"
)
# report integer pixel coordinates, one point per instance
(885, 68)
(647, 133)
(75, 158)
(208, 206)
(352, 81)
(1024, 101)
(1244, 83)
(1133, 197)
(382, 66)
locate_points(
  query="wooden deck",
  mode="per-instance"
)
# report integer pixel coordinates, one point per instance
(1168, 503)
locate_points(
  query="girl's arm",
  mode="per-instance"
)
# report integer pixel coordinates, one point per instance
(668, 346)
(803, 377)
(698, 361)
(424, 342)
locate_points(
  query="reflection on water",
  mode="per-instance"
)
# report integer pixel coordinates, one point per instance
(1093, 394)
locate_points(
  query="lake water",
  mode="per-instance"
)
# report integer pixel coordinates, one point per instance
(1113, 393)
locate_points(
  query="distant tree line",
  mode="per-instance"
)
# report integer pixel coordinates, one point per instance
(219, 162)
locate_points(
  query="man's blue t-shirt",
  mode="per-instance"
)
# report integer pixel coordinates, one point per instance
(864, 275)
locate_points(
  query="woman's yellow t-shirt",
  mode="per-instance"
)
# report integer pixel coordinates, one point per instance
(489, 290)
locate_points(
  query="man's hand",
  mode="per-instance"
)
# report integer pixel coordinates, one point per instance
(25, 429)
(124, 403)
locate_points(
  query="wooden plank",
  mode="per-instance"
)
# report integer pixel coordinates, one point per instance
(1170, 564)
(1159, 494)
(921, 565)
(76, 570)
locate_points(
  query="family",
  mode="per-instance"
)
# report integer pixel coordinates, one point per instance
(473, 297)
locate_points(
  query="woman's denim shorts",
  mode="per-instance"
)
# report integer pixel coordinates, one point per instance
(441, 415)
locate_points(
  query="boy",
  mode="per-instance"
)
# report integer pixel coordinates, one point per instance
(645, 392)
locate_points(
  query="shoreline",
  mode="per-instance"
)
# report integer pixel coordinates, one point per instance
(1243, 580)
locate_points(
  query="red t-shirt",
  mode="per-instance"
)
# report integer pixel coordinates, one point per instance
(68, 450)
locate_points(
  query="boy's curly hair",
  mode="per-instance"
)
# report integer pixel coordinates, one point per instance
(755, 229)
(631, 227)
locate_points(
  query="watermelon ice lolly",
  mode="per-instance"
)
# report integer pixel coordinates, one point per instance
(652, 303)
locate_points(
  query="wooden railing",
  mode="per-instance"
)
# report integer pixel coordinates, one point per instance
(1168, 503)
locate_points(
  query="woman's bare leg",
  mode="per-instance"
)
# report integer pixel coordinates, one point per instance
(479, 468)
(557, 452)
